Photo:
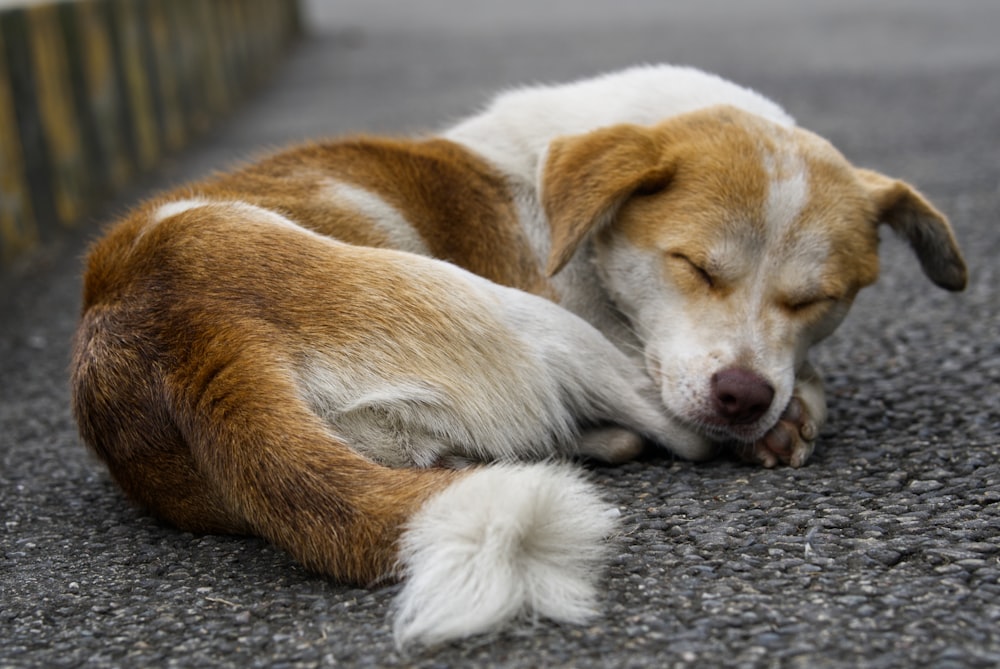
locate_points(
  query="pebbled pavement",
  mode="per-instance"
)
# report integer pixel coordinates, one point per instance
(883, 552)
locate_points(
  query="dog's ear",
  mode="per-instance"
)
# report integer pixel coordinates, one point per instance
(586, 178)
(926, 229)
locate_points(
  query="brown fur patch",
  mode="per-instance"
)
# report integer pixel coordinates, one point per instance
(459, 205)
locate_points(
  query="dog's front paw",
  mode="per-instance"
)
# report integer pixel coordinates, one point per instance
(790, 441)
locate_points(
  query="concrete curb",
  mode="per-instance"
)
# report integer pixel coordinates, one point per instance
(93, 92)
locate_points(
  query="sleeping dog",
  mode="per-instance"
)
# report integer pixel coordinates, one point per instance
(302, 349)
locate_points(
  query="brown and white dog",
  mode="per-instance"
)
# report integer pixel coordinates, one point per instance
(293, 349)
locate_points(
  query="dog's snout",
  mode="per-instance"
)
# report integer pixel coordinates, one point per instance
(740, 396)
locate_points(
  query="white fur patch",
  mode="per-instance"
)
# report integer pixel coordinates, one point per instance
(787, 197)
(383, 216)
(236, 208)
(503, 541)
(171, 209)
(788, 191)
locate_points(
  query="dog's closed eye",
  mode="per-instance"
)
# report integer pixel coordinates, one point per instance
(702, 273)
(805, 303)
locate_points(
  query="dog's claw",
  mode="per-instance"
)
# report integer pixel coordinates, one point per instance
(790, 441)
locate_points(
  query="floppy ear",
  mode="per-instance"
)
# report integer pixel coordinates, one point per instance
(927, 230)
(586, 178)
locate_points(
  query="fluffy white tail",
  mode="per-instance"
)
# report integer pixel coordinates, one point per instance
(501, 542)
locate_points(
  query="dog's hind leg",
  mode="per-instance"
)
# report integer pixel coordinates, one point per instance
(475, 548)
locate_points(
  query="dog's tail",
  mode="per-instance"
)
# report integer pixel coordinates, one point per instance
(230, 446)
(498, 542)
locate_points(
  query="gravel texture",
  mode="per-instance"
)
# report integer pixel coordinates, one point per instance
(883, 552)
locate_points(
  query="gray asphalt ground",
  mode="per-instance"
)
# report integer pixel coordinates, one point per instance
(883, 552)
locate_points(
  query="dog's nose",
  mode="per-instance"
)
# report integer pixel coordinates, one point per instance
(740, 396)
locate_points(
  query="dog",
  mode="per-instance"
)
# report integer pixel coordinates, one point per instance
(377, 353)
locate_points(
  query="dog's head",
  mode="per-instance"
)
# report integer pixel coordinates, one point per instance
(732, 244)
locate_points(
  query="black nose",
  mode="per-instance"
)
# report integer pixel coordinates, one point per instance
(740, 396)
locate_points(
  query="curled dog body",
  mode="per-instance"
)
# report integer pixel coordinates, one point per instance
(294, 349)
(269, 392)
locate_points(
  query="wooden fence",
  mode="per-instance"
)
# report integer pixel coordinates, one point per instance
(93, 92)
